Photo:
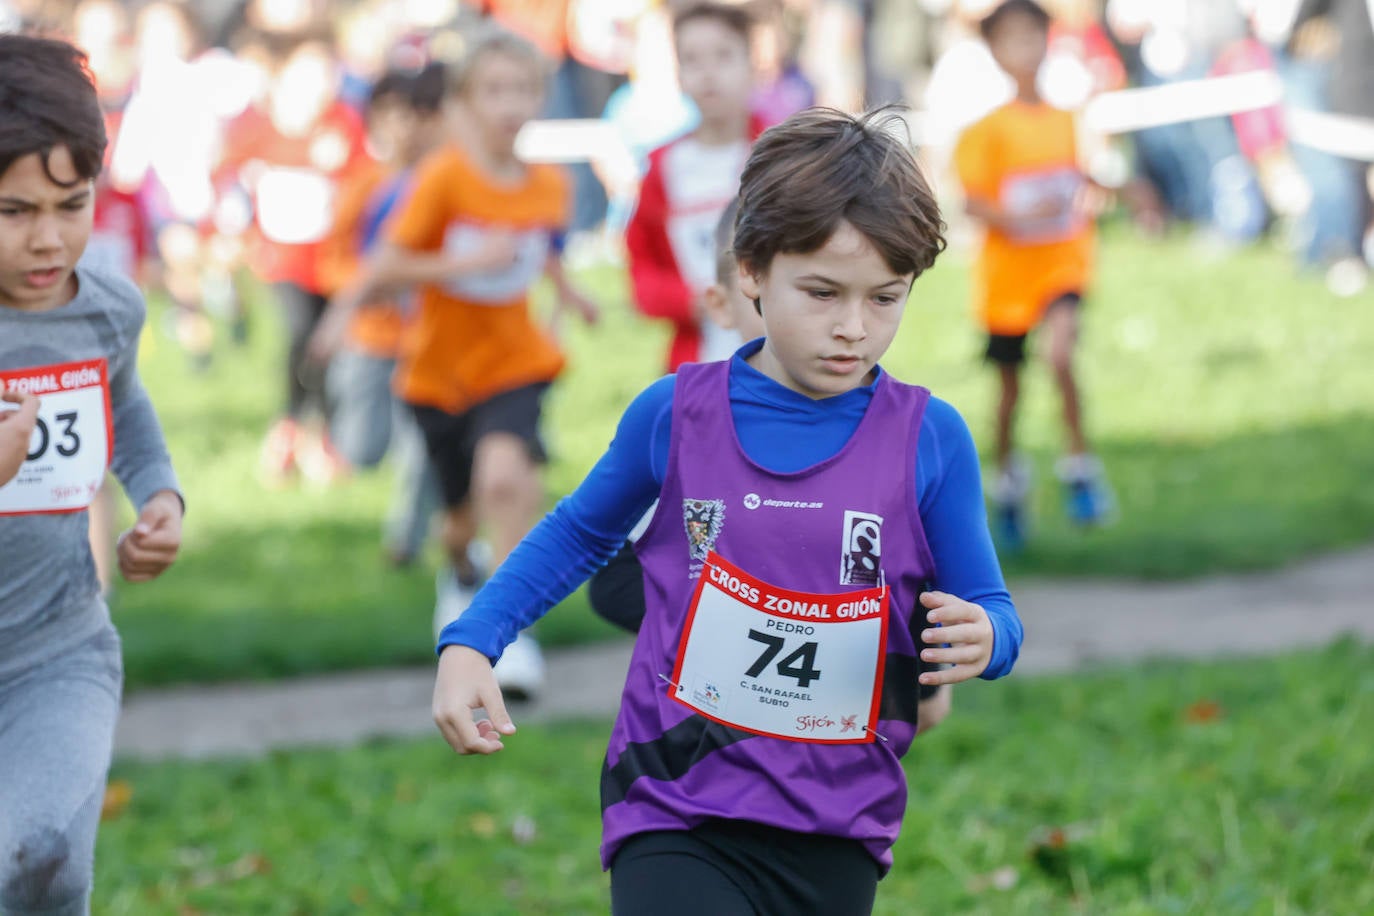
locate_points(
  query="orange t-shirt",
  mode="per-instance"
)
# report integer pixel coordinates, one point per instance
(473, 337)
(376, 327)
(1018, 157)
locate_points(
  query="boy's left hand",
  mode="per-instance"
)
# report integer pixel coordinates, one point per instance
(149, 547)
(967, 630)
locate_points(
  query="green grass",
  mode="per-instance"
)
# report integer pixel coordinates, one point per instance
(1231, 399)
(1237, 787)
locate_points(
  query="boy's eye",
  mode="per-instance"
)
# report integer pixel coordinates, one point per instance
(822, 293)
(886, 300)
(74, 205)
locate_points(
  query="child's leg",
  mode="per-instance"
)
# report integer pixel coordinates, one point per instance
(1012, 483)
(415, 497)
(507, 491)
(1089, 499)
(1061, 328)
(507, 486)
(1008, 353)
(58, 725)
(662, 874)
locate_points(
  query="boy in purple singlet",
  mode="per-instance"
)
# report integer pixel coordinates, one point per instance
(812, 513)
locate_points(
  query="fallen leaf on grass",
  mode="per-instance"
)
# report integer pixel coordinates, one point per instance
(523, 830)
(245, 866)
(1001, 879)
(1203, 712)
(483, 825)
(359, 896)
(118, 794)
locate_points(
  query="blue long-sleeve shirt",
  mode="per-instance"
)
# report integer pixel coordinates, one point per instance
(782, 430)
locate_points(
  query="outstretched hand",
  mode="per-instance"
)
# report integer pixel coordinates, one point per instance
(465, 682)
(966, 629)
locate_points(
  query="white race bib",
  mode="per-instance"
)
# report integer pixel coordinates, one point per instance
(792, 665)
(72, 444)
(295, 206)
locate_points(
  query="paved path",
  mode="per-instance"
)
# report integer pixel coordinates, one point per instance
(1069, 625)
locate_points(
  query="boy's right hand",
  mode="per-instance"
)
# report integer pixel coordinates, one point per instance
(465, 682)
(16, 429)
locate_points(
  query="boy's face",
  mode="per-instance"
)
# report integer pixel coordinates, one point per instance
(829, 314)
(1019, 44)
(391, 126)
(503, 93)
(44, 228)
(714, 69)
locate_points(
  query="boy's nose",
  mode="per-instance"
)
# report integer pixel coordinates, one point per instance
(849, 323)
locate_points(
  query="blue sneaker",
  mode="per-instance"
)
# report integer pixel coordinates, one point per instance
(1088, 498)
(1010, 506)
(1009, 527)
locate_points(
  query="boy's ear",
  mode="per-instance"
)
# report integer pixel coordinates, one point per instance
(717, 306)
(748, 283)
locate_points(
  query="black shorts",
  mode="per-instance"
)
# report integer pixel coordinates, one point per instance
(1010, 349)
(451, 439)
(739, 868)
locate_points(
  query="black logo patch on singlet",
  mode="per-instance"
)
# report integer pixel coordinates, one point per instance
(861, 550)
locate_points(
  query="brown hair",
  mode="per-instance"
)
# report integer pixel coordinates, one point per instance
(47, 100)
(987, 26)
(488, 39)
(735, 18)
(821, 167)
(726, 265)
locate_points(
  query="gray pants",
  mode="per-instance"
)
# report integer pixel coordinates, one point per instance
(57, 724)
(366, 422)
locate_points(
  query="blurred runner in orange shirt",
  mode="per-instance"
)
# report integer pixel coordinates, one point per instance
(1021, 176)
(477, 229)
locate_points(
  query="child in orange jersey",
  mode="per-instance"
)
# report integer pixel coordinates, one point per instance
(1021, 176)
(478, 228)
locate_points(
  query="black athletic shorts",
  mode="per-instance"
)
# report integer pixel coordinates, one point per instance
(740, 868)
(451, 439)
(1010, 349)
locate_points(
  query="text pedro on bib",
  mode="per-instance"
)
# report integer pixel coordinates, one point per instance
(792, 665)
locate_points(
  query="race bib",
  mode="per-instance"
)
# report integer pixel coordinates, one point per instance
(295, 206)
(1056, 189)
(692, 235)
(72, 444)
(791, 665)
(503, 285)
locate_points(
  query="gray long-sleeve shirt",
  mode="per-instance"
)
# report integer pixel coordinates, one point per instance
(49, 595)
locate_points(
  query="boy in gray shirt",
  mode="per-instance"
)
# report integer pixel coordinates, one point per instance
(69, 336)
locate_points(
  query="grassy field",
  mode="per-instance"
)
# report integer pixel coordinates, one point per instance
(1231, 400)
(1223, 788)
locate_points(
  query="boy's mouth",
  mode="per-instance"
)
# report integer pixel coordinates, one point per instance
(842, 364)
(43, 277)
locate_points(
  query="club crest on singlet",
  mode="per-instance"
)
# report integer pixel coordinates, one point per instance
(703, 519)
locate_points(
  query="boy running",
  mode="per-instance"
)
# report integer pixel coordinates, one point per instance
(1022, 180)
(671, 237)
(478, 228)
(809, 506)
(68, 334)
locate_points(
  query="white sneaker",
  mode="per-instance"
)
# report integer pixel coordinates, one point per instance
(520, 672)
(451, 596)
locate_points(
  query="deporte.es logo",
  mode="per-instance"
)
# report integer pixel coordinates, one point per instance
(754, 501)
